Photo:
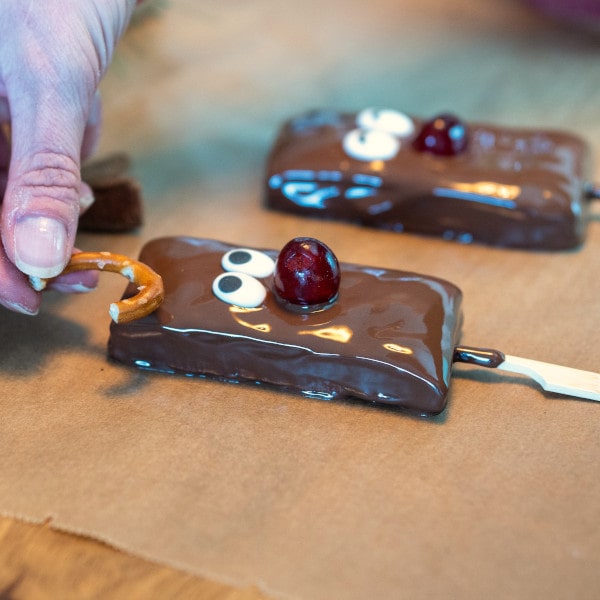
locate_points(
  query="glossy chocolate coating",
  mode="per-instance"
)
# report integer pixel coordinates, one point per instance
(390, 336)
(520, 188)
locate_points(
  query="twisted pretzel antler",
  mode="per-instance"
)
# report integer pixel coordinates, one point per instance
(149, 283)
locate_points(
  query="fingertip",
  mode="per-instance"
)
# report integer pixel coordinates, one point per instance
(24, 309)
(15, 292)
(76, 282)
(86, 197)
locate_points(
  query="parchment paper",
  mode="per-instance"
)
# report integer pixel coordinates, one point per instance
(498, 497)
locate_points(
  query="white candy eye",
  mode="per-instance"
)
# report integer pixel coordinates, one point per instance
(370, 144)
(385, 119)
(239, 289)
(251, 262)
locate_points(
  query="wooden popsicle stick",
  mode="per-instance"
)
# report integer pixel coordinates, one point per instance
(552, 378)
(556, 378)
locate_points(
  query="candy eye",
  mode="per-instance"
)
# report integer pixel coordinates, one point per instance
(239, 289)
(370, 144)
(385, 119)
(251, 262)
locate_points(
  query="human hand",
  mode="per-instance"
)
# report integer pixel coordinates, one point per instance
(52, 57)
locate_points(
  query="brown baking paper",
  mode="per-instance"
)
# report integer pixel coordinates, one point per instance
(497, 497)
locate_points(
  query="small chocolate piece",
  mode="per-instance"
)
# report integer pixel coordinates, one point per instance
(118, 204)
(389, 337)
(508, 187)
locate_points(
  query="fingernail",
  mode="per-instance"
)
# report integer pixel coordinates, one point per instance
(20, 308)
(85, 202)
(40, 246)
(72, 288)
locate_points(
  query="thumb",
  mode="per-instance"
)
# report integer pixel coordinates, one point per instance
(41, 204)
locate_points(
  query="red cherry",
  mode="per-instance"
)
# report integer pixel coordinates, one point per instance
(307, 274)
(444, 135)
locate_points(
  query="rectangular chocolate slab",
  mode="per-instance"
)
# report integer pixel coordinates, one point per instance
(389, 337)
(511, 187)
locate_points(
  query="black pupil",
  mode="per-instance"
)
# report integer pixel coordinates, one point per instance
(229, 283)
(239, 257)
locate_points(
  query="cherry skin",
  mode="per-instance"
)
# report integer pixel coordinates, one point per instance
(307, 275)
(444, 135)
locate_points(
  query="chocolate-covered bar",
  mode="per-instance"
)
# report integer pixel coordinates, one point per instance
(389, 336)
(471, 182)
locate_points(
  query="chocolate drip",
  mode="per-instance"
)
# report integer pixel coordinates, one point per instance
(482, 357)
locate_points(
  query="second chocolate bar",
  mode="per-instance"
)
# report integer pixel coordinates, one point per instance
(508, 187)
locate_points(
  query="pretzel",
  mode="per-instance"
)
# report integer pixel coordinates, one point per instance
(149, 283)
